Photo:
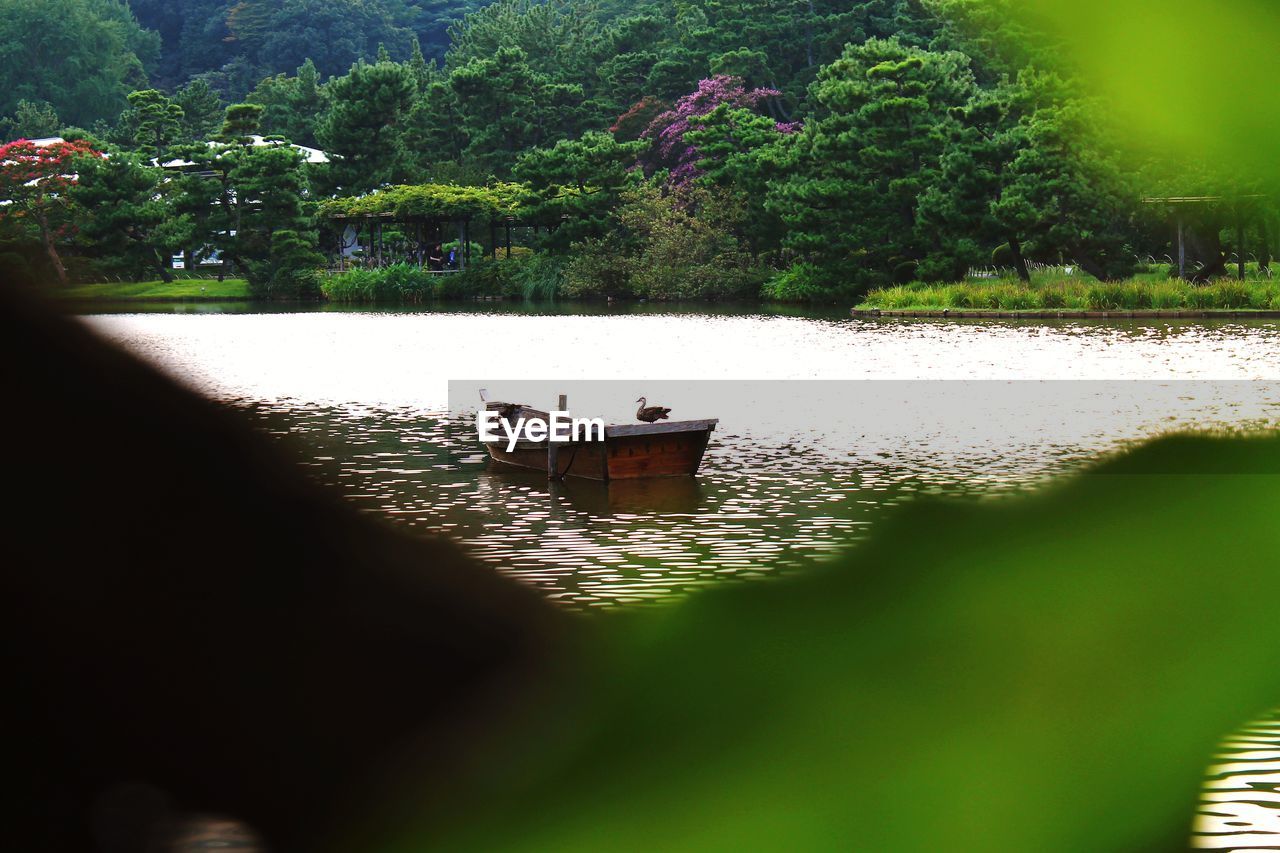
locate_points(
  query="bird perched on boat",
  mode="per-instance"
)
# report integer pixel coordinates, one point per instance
(650, 414)
(506, 411)
(509, 411)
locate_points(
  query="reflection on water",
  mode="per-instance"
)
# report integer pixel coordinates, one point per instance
(582, 542)
(796, 471)
(1240, 806)
(365, 396)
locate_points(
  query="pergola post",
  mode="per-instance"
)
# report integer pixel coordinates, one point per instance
(1239, 243)
(1182, 251)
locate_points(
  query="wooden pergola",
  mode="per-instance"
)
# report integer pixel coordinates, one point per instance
(1180, 202)
(429, 212)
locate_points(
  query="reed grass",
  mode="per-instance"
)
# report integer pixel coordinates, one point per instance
(1078, 294)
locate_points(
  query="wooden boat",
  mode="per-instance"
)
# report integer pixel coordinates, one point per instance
(629, 451)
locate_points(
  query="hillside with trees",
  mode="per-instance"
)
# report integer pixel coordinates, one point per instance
(803, 149)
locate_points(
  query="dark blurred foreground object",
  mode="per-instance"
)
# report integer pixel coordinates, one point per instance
(194, 626)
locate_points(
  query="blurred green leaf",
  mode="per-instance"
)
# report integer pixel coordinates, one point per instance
(1187, 78)
(1048, 673)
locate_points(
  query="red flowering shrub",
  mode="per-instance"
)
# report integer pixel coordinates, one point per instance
(33, 184)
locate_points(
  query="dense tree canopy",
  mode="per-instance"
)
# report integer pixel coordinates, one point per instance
(823, 146)
(81, 57)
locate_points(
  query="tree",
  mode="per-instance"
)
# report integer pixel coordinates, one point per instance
(332, 33)
(202, 111)
(740, 151)
(559, 39)
(434, 138)
(274, 241)
(672, 149)
(507, 107)
(959, 208)
(1068, 194)
(434, 20)
(663, 250)
(35, 180)
(123, 215)
(579, 183)
(361, 128)
(292, 106)
(236, 199)
(152, 122)
(857, 172)
(79, 56)
(31, 120)
(242, 121)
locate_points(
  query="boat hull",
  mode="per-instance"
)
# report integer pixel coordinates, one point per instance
(629, 452)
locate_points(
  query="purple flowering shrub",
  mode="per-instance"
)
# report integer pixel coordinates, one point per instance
(667, 130)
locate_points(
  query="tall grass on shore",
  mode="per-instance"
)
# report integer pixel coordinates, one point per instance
(521, 276)
(1078, 295)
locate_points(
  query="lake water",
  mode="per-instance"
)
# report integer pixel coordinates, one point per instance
(826, 423)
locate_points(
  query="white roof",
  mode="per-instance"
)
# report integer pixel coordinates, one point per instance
(313, 155)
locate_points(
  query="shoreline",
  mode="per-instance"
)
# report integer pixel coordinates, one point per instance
(1055, 314)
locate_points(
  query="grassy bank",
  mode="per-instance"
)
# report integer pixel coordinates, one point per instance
(195, 288)
(1073, 294)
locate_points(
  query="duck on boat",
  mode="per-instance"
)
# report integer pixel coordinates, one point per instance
(650, 414)
(655, 447)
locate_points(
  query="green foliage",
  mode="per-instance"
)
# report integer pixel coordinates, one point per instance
(1232, 96)
(361, 129)
(856, 174)
(31, 120)
(274, 36)
(528, 277)
(667, 253)
(236, 199)
(936, 135)
(81, 57)
(506, 106)
(123, 217)
(596, 269)
(292, 106)
(432, 201)
(1066, 194)
(1078, 295)
(242, 121)
(202, 111)
(153, 122)
(578, 182)
(799, 283)
(1025, 640)
(539, 277)
(291, 270)
(390, 284)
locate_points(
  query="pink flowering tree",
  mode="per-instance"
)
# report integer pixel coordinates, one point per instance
(34, 180)
(668, 131)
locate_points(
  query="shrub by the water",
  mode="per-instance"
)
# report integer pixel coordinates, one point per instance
(1199, 298)
(798, 283)
(1230, 294)
(523, 275)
